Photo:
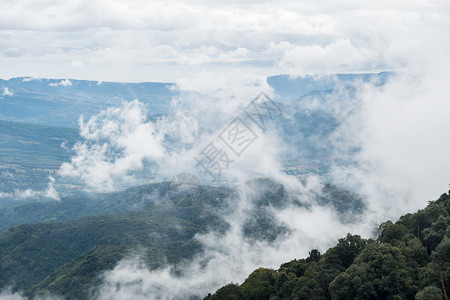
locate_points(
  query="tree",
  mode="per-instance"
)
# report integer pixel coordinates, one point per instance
(379, 272)
(229, 292)
(429, 293)
(442, 257)
(390, 232)
(260, 284)
(314, 255)
(345, 251)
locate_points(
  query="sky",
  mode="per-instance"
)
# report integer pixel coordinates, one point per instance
(135, 41)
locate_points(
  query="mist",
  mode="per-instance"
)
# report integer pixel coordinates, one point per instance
(50, 193)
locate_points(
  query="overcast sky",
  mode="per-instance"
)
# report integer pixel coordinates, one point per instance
(138, 40)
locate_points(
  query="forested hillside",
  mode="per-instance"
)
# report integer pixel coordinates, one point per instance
(410, 259)
(79, 237)
(64, 258)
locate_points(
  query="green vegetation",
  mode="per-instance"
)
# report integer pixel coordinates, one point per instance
(82, 205)
(135, 198)
(410, 259)
(64, 258)
(79, 237)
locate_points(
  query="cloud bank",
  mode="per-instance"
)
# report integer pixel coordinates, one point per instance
(121, 146)
(140, 41)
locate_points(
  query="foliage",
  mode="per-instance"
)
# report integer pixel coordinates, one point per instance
(230, 291)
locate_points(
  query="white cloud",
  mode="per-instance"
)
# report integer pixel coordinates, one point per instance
(338, 57)
(137, 40)
(121, 140)
(77, 64)
(7, 92)
(8, 294)
(65, 82)
(204, 55)
(49, 193)
(116, 141)
(28, 79)
(400, 129)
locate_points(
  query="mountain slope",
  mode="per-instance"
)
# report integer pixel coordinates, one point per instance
(30, 253)
(66, 257)
(60, 102)
(31, 153)
(409, 260)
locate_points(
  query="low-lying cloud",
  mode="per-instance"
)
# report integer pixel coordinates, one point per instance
(49, 193)
(116, 142)
(65, 82)
(8, 294)
(231, 256)
(7, 92)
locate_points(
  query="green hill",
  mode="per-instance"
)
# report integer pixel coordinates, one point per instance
(51, 256)
(410, 259)
(136, 198)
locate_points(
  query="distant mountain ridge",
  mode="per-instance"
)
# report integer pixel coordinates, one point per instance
(60, 102)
